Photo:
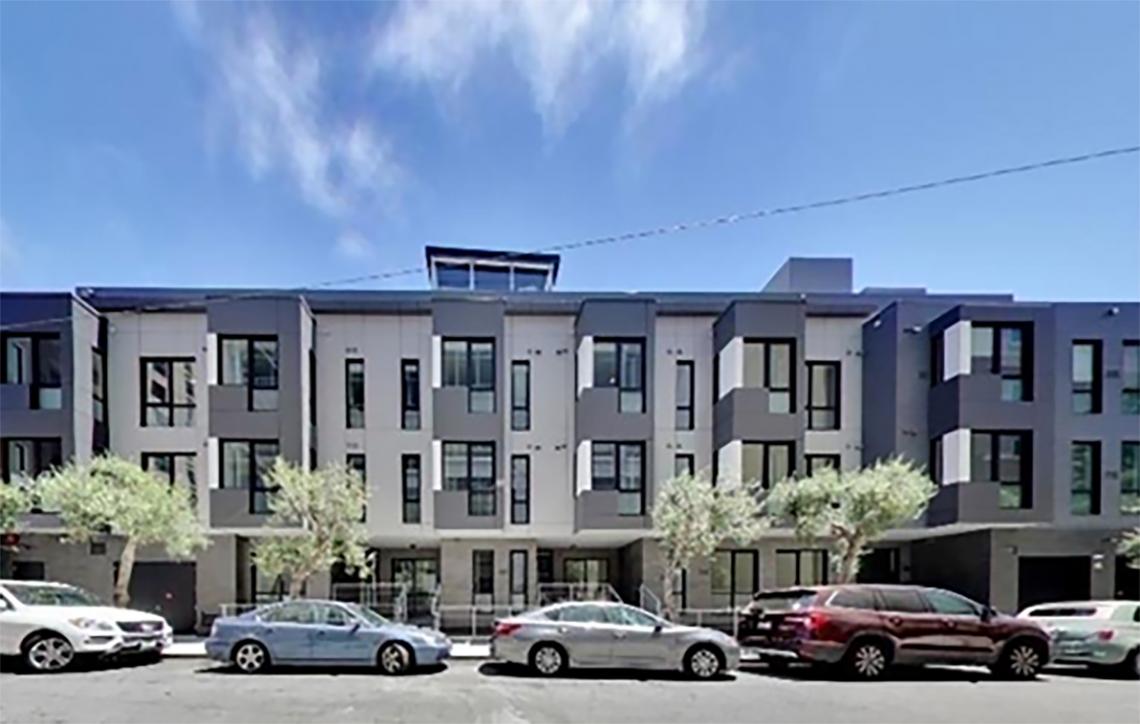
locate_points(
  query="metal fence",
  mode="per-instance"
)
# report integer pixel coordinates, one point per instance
(549, 593)
(472, 620)
(723, 619)
(386, 599)
(648, 600)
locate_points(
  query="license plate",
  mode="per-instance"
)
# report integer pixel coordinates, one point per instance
(762, 626)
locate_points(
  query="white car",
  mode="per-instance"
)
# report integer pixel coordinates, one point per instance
(49, 624)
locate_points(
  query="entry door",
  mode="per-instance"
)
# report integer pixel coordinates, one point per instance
(1041, 579)
(166, 588)
(735, 577)
(421, 575)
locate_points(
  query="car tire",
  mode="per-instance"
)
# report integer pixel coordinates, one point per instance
(867, 659)
(47, 653)
(1022, 659)
(548, 659)
(395, 659)
(250, 657)
(704, 662)
(1130, 667)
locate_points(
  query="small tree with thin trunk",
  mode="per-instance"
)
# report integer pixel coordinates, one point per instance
(15, 503)
(322, 510)
(1130, 548)
(693, 517)
(851, 509)
(112, 496)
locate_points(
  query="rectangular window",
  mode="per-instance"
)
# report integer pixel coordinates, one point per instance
(1130, 378)
(620, 363)
(935, 470)
(246, 465)
(769, 364)
(735, 575)
(252, 362)
(176, 468)
(358, 463)
(1086, 377)
(684, 464)
(470, 363)
(1084, 490)
(801, 567)
(520, 489)
(98, 385)
(28, 458)
(823, 395)
(685, 392)
(1130, 478)
(482, 577)
(168, 392)
(354, 393)
(818, 461)
(937, 360)
(35, 360)
(620, 466)
(313, 385)
(410, 474)
(518, 575)
(1005, 458)
(471, 467)
(410, 394)
(767, 462)
(1004, 350)
(520, 395)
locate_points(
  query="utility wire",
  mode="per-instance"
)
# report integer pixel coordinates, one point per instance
(632, 235)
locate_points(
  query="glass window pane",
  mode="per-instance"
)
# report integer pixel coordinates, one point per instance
(454, 466)
(753, 364)
(630, 467)
(49, 398)
(264, 399)
(264, 453)
(981, 457)
(744, 565)
(683, 464)
(631, 401)
(721, 572)
(483, 463)
(780, 361)
(234, 361)
(1012, 390)
(1011, 349)
(454, 363)
(483, 365)
(1009, 463)
(779, 403)
(265, 364)
(604, 466)
(1083, 363)
(1130, 369)
(158, 417)
(982, 349)
(158, 383)
(183, 383)
(494, 278)
(17, 360)
(751, 462)
(1009, 496)
(48, 364)
(520, 384)
(631, 365)
(902, 600)
(605, 364)
(235, 465)
(779, 464)
(684, 385)
(786, 569)
(949, 604)
(528, 280)
(453, 276)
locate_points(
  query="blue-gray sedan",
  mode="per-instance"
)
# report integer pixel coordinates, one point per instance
(322, 633)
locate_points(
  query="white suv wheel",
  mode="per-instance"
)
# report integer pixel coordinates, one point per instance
(50, 653)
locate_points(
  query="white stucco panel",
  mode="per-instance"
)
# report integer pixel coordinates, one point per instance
(956, 456)
(956, 350)
(585, 364)
(584, 466)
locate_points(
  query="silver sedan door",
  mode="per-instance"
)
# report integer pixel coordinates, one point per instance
(638, 641)
(585, 631)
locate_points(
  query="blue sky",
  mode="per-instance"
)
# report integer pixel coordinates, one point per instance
(278, 145)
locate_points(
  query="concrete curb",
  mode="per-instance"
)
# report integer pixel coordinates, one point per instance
(197, 650)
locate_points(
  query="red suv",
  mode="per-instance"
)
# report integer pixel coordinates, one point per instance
(866, 628)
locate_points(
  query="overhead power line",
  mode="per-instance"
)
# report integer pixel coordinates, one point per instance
(632, 235)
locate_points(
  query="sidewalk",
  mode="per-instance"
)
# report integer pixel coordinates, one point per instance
(193, 648)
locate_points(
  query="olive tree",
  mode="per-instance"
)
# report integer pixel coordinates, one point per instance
(1130, 548)
(850, 510)
(15, 503)
(693, 518)
(319, 514)
(110, 495)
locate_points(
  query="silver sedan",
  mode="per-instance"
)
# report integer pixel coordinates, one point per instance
(610, 635)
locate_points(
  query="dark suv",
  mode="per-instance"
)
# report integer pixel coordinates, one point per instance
(866, 628)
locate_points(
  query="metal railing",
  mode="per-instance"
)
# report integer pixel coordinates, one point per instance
(723, 619)
(472, 620)
(549, 593)
(386, 599)
(236, 609)
(648, 600)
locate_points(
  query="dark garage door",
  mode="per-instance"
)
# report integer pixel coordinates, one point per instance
(165, 588)
(1041, 579)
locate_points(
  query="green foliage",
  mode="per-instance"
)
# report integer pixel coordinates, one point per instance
(851, 509)
(1130, 548)
(15, 502)
(322, 510)
(693, 518)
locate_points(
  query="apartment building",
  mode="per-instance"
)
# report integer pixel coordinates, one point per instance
(512, 435)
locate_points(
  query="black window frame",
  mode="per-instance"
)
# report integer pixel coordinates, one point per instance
(251, 385)
(411, 496)
(484, 492)
(937, 358)
(620, 352)
(313, 384)
(351, 406)
(520, 504)
(618, 446)
(1094, 389)
(42, 459)
(358, 463)
(1130, 388)
(32, 377)
(147, 458)
(1093, 492)
(1025, 375)
(411, 413)
(256, 484)
(468, 370)
(934, 468)
(170, 406)
(480, 577)
(733, 592)
(811, 407)
(690, 462)
(798, 554)
(522, 423)
(98, 384)
(811, 458)
(1130, 487)
(684, 415)
(767, 343)
(766, 446)
(1025, 464)
(513, 583)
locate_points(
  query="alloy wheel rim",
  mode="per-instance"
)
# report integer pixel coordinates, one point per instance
(51, 654)
(705, 663)
(548, 660)
(1024, 661)
(250, 657)
(393, 659)
(869, 661)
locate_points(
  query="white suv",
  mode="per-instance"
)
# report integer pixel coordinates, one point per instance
(49, 624)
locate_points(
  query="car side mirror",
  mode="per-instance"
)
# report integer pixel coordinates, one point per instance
(658, 628)
(987, 613)
(354, 627)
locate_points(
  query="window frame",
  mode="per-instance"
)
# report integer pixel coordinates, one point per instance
(250, 384)
(765, 459)
(32, 376)
(1025, 464)
(350, 461)
(512, 580)
(256, 484)
(1133, 489)
(810, 458)
(1093, 389)
(620, 353)
(170, 406)
(1025, 374)
(39, 458)
(524, 408)
(733, 592)
(690, 464)
(411, 496)
(767, 343)
(146, 458)
(823, 563)
(1128, 392)
(410, 398)
(1093, 492)
(618, 446)
(469, 367)
(98, 384)
(465, 481)
(811, 407)
(689, 410)
(477, 576)
(524, 518)
(349, 406)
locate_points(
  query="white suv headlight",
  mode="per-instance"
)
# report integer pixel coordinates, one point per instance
(92, 624)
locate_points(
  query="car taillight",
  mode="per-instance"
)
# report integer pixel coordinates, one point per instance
(506, 629)
(816, 621)
(1105, 634)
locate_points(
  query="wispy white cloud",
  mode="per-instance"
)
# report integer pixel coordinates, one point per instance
(557, 46)
(353, 245)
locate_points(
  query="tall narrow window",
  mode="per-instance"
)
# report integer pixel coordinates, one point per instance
(520, 489)
(685, 379)
(470, 363)
(1084, 492)
(410, 394)
(767, 462)
(25, 459)
(410, 473)
(1130, 379)
(1004, 458)
(518, 579)
(358, 463)
(175, 468)
(801, 567)
(252, 362)
(821, 461)
(823, 395)
(1086, 378)
(1004, 350)
(769, 364)
(313, 386)
(168, 392)
(935, 468)
(482, 577)
(471, 467)
(1130, 478)
(520, 395)
(35, 360)
(620, 363)
(354, 393)
(620, 466)
(98, 385)
(937, 362)
(684, 464)
(246, 465)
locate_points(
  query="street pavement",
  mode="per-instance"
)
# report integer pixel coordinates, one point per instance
(195, 690)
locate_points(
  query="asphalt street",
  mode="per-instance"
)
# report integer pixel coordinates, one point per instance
(194, 690)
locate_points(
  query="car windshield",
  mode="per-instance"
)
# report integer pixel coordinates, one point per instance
(368, 615)
(31, 594)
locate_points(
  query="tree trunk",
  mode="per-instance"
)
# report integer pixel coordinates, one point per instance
(123, 579)
(667, 603)
(296, 586)
(849, 567)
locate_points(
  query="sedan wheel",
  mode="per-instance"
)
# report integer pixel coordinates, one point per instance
(49, 654)
(1023, 661)
(547, 660)
(394, 659)
(251, 657)
(703, 663)
(867, 661)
